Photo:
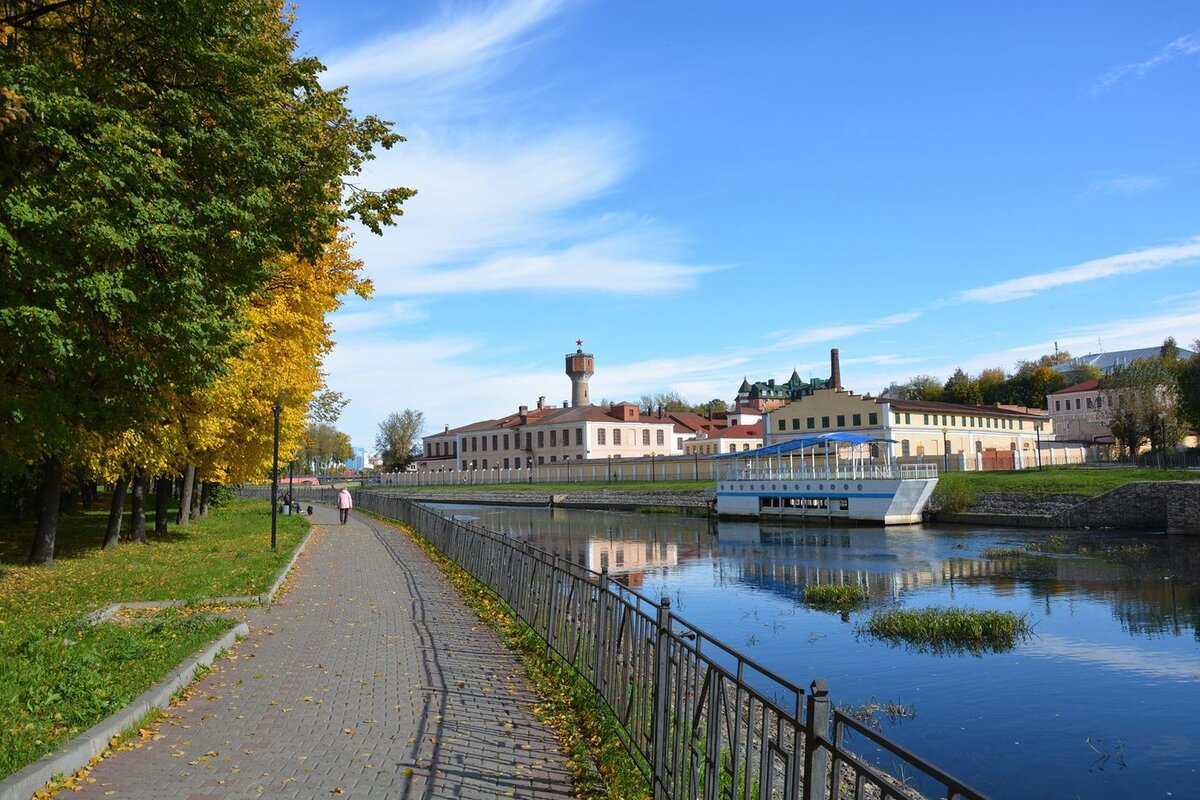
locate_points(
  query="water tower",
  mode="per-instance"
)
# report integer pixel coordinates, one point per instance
(580, 367)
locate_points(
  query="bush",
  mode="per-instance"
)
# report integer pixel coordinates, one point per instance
(953, 494)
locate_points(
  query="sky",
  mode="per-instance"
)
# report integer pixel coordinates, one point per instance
(709, 191)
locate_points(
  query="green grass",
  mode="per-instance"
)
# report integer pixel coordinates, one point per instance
(1005, 552)
(1083, 481)
(59, 676)
(949, 629)
(834, 596)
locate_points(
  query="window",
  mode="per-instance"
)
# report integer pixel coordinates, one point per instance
(920, 449)
(907, 419)
(542, 439)
(464, 464)
(541, 460)
(811, 423)
(745, 447)
(529, 444)
(926, 419)
(506, 441)
(553, 459)
(874, 450)
(857, 420)
(566, 436)
(678, 442)
(506, 463)
(554, 438)
(872, 418)
(733, 448)
(660, 437)
(646, 437)
(600, 435)
(474, 444)
(795, 423)
(579, 436)
(1076, 403)
(495, 441)
(897, 417)
(616, 436)
(484, 465)
(783, 424)
(1099, 402)
(904, 447)
(841, 420)
(1089, 403)
(1058, 405)
(824, 422)
(483, 443)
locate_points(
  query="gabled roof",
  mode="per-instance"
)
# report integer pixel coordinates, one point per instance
(1087, 386)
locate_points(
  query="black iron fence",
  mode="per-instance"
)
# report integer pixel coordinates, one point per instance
(700, 718)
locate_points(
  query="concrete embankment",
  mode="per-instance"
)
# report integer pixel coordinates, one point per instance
(1172, 506)
(601, 499)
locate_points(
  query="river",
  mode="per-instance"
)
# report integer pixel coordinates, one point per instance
(1102, 701)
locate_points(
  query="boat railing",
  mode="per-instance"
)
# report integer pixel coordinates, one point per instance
(856, 472)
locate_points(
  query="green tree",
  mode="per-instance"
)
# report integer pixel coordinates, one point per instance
(1142, 405)
(1032, 381)
(165, 154)
(399, 439)
(324, 447)
(1187, 378)
(992, 387)
(962, 388)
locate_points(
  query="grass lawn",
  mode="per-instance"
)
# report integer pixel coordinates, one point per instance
(59, 677)
(1086, 481)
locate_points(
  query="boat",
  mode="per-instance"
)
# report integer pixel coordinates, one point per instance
(808, 477)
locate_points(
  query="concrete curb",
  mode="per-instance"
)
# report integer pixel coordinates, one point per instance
(76, 754)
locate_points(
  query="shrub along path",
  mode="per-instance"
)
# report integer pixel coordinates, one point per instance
(369, 677)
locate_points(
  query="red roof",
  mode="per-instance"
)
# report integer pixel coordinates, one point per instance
(1089, 385)
(754, 431)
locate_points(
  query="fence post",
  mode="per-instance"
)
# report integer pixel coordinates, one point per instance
(660, 719)
(816, 730)
(551, 615)
(601, 633)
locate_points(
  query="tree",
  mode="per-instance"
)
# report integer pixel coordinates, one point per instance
(399, 439)
(324, 447)
(1032, 381)
(962, 389)
(1141, 402)
(156, 161)
(667, 401)
(991, 382)
(1187, 377)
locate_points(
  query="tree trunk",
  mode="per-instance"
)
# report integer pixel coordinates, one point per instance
(137, 523)
(162, 502)
(49, 497)
(185, 496)
(194, 508)
(205, 492)
(88, 492)
(112, 534)
(68, 501)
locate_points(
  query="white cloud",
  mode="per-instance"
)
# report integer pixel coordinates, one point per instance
(1152, 258)
(1180, 48)
(1124, 184)
(379, 315)
(830, 333)
(456, 48)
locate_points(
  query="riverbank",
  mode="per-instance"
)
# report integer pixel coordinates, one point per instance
(642, 498)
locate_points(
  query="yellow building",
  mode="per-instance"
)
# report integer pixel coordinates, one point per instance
(956, 437)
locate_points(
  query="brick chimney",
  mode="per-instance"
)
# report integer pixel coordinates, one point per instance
(835, 369)
(523, 411)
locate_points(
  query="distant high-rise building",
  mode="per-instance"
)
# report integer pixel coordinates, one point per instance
(358, 460)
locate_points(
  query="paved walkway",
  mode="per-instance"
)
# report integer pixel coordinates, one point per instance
(369, 677)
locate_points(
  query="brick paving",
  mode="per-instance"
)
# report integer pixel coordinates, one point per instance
(369, 677)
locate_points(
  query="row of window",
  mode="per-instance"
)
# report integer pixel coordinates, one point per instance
(515, 463)
(715, 447)
(660, 438)
(811, 422)
(965, 421)
(1097, 403)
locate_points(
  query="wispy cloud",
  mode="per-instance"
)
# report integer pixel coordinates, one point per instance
(456, 48)
(1182, 47)
(1152, 258)
(829, 333)
(1124, 184)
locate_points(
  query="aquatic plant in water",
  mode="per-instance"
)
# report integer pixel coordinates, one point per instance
(949, 629)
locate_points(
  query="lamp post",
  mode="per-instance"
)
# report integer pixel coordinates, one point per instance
(1038, 427)
(277, 409)
(945, 450)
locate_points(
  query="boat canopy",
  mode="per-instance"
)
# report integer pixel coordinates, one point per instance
(807, 441)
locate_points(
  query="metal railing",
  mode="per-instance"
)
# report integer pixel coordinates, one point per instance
(701, 719)
(848, 472)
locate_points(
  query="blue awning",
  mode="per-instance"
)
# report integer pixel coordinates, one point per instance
(818, 440)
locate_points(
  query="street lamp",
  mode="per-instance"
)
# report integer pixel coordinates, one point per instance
(1038, 426)
(945, 450)
(277, 408)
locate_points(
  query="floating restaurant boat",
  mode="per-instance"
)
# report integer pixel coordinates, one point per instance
(809, 477)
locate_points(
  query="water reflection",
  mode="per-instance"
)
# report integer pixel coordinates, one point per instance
(1114, 658)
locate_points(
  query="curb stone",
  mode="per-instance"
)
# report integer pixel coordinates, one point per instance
(75, 754)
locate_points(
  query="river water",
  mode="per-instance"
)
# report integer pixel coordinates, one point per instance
(1103, 701)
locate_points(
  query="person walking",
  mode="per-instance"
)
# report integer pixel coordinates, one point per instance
(344, 504)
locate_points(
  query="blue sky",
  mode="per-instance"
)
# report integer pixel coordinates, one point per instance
(703, 192)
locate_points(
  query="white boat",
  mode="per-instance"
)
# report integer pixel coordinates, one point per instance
(808, 477)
